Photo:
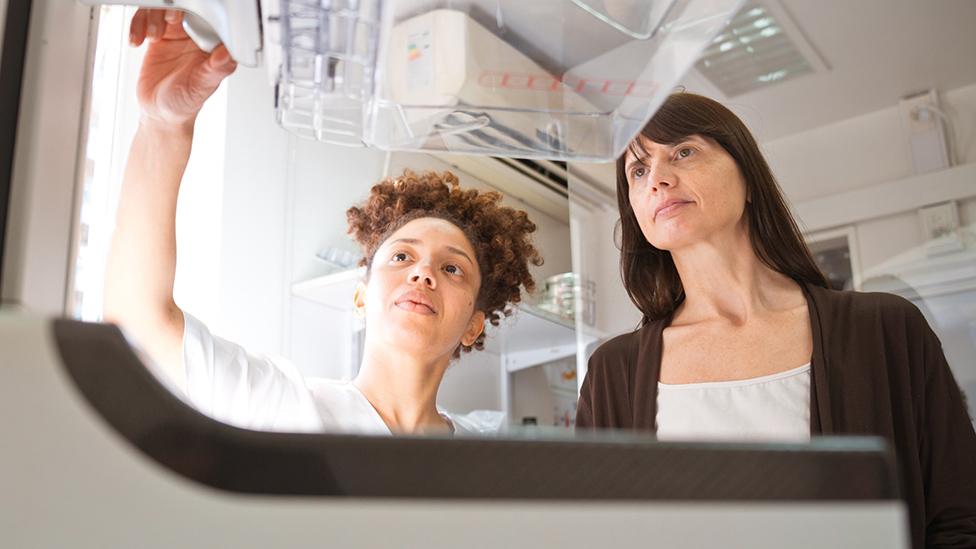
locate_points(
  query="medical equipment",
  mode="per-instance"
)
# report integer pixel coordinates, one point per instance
(554, 79)
(110, 458)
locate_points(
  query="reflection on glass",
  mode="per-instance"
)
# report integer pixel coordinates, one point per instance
(939, 277)
(380, 349)
(336, 323)
(510, 384)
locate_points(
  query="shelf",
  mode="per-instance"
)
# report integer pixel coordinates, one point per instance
(531, 336)
(333, 290)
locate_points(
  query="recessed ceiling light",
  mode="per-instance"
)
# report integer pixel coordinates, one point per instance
(760, 46)
(773, 76)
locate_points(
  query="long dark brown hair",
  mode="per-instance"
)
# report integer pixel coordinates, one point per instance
(648, 273)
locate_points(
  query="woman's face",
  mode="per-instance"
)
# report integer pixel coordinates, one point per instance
(685, 193)
(422, 289)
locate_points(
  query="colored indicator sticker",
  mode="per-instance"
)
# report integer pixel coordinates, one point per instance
(413, 52)
(420, 61)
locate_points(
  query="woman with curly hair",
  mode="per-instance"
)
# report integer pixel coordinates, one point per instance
(440, 261)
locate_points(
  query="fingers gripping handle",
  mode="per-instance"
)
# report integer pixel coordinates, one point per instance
(236, 23)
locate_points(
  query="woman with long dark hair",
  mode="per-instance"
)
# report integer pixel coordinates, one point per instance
(741, 338)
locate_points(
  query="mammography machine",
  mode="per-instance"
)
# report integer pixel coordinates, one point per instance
(98, 453)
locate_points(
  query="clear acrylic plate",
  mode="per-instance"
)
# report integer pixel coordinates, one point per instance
(555, 79)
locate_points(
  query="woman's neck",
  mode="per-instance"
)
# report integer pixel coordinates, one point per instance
(402, 390)
(723, 278)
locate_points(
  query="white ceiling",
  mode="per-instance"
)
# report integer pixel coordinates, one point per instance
(876, 51)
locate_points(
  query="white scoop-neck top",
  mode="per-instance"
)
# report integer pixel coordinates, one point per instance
(767, 408)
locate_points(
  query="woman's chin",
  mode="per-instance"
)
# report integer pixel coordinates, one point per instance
(413, 339)
(675, 238)
(670, 244)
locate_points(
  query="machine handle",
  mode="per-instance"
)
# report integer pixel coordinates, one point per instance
(202, 34)
(236, 23)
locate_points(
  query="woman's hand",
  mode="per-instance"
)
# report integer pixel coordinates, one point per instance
(175, 81)
(177, 77)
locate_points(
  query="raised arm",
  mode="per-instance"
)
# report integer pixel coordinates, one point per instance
(175, 81)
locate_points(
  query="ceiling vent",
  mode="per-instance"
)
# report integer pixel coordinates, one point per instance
(542, 184)
(761, 46)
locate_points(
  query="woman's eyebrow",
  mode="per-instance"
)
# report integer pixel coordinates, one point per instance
(460, 252)
(453, 249)
(391, 243)
(693, 138)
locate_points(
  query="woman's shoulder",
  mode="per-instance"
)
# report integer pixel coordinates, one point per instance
(866, 306)
(872, 319)
(625, 347)
(328, 388)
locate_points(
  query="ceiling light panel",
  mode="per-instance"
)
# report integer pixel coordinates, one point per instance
(760, 47)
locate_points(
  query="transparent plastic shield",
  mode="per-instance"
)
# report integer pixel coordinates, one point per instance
(557, 79)
(327, 66)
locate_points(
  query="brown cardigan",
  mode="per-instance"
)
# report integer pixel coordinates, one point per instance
(877, 368)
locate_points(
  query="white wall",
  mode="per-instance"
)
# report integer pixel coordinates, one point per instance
(865, 150)
(872, 152)
(599, 261)
(869, 150)
(252, 252)
(284, 199)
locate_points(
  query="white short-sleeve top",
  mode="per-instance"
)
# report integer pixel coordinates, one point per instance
(762, 409)
(261, 392)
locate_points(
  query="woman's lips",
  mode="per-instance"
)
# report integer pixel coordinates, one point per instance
(415, 307)
(670, 210)
(416, 301)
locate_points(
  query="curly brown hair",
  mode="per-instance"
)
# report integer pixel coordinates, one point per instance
(500, 235)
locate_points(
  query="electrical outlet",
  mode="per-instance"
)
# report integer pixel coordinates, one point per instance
(940, 227)
(914, 110)
(939, 220)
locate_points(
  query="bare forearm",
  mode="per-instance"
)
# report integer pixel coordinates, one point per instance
(142, 261)
(175, 80)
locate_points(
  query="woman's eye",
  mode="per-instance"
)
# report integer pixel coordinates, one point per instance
(638, 173)
(453, 269)
(398, 257)
(685, 152)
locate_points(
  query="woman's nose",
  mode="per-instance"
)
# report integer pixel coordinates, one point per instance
(662, 178)
(422, 274)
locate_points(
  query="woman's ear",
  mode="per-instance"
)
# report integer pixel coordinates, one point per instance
(359, 300)
(475, 327)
